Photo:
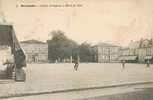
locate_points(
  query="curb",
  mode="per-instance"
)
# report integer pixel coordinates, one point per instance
(72, 90)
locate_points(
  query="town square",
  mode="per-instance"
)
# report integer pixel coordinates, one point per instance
(76, 50)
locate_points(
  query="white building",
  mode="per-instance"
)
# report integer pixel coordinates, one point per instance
(105, 52)
(35, 51)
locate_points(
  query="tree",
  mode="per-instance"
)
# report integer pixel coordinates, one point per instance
(86, 52)
(60, 47)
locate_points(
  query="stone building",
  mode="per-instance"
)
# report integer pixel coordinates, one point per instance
(105, 53)
(138, 51)
(146, 50)
(35, 51)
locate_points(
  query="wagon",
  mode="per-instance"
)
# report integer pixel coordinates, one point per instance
(8, 38)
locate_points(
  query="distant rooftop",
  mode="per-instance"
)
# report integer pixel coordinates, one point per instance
(33, 41)
(134, 44)
(106, 45)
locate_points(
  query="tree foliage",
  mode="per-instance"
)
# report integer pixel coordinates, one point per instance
(60, 47)
(86, 52)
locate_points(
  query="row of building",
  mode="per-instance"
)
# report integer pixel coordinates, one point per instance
(137, 52)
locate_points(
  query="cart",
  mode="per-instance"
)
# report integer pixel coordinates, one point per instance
(8, 37)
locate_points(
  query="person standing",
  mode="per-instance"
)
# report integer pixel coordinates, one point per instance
(123, 64)
(76, 62)
(148, 63)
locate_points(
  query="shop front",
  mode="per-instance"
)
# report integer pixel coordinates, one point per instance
(149, 59)
(128, 59)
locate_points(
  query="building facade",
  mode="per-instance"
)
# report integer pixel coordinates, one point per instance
(35, 51)
(128, 55)
(139, 51)
(146, 53)
(146, 50)
(105, 53)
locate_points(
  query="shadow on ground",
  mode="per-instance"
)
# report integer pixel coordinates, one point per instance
(144, 94)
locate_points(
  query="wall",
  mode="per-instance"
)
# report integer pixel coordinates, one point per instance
(107, 54)
(35, 52)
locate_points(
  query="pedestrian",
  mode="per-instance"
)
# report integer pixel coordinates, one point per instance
(123, 64)
(148, 63)
(76, 62)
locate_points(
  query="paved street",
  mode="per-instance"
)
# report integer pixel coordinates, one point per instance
(93, 93)
(54, 77)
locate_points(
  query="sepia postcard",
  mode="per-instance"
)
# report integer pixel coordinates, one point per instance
(76, 49)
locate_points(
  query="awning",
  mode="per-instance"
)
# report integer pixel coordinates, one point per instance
(128, 58)
(6, 37)
(148, 57)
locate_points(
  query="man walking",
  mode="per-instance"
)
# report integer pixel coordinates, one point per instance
(76, 62)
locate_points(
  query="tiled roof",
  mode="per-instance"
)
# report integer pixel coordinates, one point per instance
(33, 41)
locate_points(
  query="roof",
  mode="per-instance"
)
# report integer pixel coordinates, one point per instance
(6, 35)
(33, 41)
(106, 45)
(126, 48)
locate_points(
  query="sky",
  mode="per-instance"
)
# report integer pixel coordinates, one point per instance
(93, 21)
